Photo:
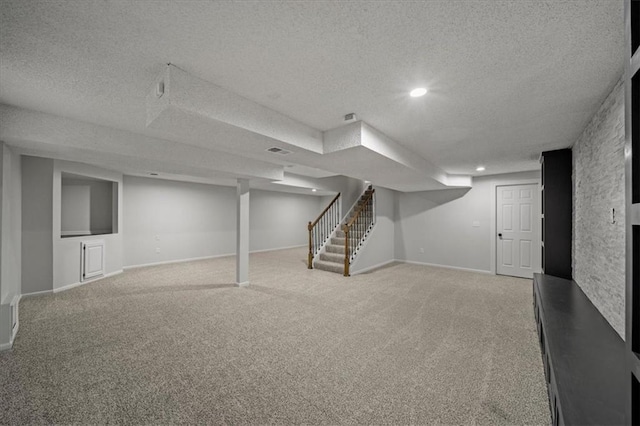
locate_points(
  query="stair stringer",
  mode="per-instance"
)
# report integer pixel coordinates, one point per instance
(354, 256)
(359, 264)
(352, 206)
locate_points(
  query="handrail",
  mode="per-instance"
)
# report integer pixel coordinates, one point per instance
(357, 213)
(312, 224)
(321, 229)
(361, 228)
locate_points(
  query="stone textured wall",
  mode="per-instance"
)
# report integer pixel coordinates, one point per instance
(598, 187)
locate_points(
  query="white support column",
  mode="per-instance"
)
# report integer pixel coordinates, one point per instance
(242, 233)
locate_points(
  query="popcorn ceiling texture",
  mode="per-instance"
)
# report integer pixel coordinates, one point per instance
(507, 79)
(598, 187)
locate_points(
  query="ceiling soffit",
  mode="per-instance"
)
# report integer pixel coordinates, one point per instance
(205, 115)
(79, 141)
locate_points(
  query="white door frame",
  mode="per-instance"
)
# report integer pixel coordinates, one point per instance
(493, 223)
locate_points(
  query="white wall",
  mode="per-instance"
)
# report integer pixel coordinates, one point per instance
(279, 219)
(37, 224)
(101, 219)
(349, 188)
(11, 259)
(67, 251)
(435, 227)
(188, 220)
(76, 209)
(379, 247)
(11, 239)
(182, 220)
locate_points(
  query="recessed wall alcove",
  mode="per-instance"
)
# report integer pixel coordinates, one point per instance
(89, 206)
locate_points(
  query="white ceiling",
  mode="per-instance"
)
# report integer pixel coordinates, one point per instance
(507, 79)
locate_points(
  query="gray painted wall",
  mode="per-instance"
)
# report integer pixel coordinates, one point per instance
(436, 227)
(67, 251)
(349, 188)
(76, 209)
(11, 255)
(11, 240)
(279, 219)
(598, 187)
(101, 208)
(187, 220)
(37, 224)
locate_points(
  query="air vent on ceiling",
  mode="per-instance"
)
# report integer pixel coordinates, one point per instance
(276, 150)
(351, 117)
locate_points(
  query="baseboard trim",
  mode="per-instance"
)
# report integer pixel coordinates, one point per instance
(371, 268)
(479, 271)
(37, 293)
(276, 249)
(89, 281)
(14, 331)
(169, 262)
(216, 256)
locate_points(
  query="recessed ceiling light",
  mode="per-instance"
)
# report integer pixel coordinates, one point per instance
(416, 93)
(480, 169)
(313, 190)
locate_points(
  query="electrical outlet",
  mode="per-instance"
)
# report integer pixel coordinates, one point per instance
(157, 237)
(157, 249)
(421, 249)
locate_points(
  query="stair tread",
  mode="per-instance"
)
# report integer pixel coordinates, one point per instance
(335, 248)
(329, 266)
(332, 257)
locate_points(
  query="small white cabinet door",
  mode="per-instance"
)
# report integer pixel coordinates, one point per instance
(92, 259)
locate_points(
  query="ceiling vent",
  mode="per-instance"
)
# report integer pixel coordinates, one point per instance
(351, 117)
(276, 150)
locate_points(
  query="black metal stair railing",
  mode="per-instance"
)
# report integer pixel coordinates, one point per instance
(356, 228)
(321, 229)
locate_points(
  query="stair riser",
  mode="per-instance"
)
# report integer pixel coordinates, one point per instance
(335, 249)
(333, 267)
(332, 257)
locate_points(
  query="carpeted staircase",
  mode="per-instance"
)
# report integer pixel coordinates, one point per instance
(332, 257)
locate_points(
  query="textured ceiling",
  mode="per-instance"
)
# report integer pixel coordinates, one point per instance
(507, 79)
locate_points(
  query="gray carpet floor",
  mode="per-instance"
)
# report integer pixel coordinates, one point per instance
(404, 344)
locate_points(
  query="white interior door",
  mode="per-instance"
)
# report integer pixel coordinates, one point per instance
(517, 230)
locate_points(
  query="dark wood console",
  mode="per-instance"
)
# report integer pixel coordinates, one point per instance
(583, 356)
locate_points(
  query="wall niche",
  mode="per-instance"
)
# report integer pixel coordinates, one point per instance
(89, 206)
